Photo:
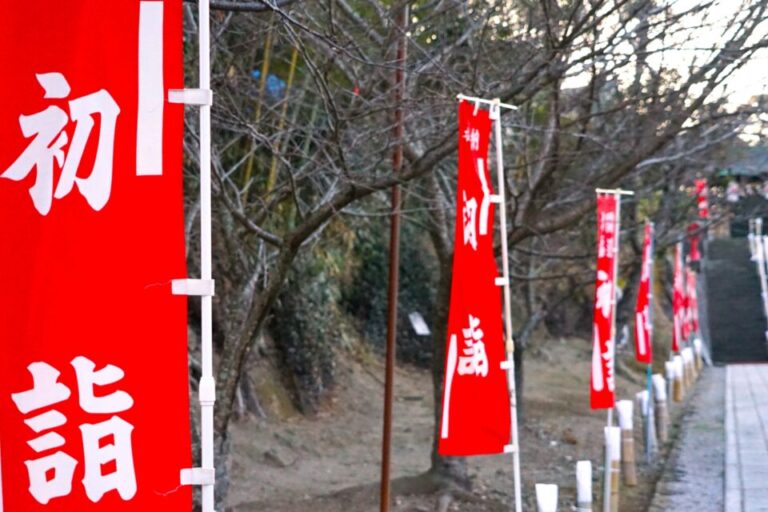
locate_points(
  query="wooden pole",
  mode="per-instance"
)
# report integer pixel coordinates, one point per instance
(394, 255)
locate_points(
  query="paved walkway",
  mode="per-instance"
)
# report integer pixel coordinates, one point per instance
(746, 439)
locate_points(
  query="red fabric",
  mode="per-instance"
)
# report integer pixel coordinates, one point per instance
(82, 281)
(643, 320)
(693, 235)
(679, 331)
(602, 381)
(476, 414)
(693, 303)
(702, 198)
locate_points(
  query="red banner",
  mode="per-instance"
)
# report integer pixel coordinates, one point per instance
(702, 198)
(679, 333)
(643, 319)
(693, 303)
(694, 238)
(94, 407)
(475, 414)
(602, 381)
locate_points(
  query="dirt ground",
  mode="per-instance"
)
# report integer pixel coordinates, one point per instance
(331, 462)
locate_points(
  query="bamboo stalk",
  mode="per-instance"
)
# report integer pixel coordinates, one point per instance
(281, 123)
(257, 115)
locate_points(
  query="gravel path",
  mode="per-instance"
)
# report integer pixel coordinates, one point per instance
(693, 480)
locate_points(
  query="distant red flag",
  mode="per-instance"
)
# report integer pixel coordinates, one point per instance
(602, 381)
(694, 254)
(678, 297)
(693, 303)
(476, 407)
(643, 321)
(702, 199)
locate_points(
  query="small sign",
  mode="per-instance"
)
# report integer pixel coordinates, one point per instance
(418, 324)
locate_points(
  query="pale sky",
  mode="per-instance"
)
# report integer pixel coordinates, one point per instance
(749, 81)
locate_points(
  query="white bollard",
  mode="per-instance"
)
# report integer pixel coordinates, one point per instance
(698, 353)
(690, 364)
(662, 412)
(646, 411)
(546, 497)
(613, 446)
(624, 410)
(669, 374)
(584, 486)
(678, 390)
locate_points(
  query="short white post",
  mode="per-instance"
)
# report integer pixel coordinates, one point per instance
(678, 386)
(546, 497)
(662, 412)
(613, 445)
(643, 403)
(698, 352)
(669, 374)
(584, 486)
(624, 410)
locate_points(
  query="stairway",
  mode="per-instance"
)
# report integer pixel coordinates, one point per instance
(736, 321)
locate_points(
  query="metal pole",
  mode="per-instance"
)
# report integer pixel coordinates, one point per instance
(609, 419)
(207, 387)
(649, 370)
(394, 256)
(510, 342)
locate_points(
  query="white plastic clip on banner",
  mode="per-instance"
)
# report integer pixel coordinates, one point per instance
(190, 96)
(193, 287)
(197, 476)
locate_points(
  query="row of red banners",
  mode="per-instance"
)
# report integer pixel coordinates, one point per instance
(684, 302)
(94, 407)
(475, 403)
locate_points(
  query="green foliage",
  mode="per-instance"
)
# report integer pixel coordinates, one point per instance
(307, 331)
(364, 295)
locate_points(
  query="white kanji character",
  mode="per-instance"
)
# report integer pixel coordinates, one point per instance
(47, 128)
(88, 378)
(597, 364)
(120, 451)
(46, 389)
(50, 476)
(472, 135)
(485, 204)
(469, 221)
(604, 295)
(60, 467)
(475, 360)
(609, 361)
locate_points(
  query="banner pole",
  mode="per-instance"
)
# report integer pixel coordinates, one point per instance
(609, 419)
(207, 389)
(510, 342)
(649, 370)
(401, 21)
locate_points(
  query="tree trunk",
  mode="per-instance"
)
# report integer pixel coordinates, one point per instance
(449, 471)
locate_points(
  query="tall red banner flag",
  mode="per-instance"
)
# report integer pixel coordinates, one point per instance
(602, 381)
(94, 411)
(678, 300)
(476, 407)
(702, 198)
(643, 319)
(693, 302)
